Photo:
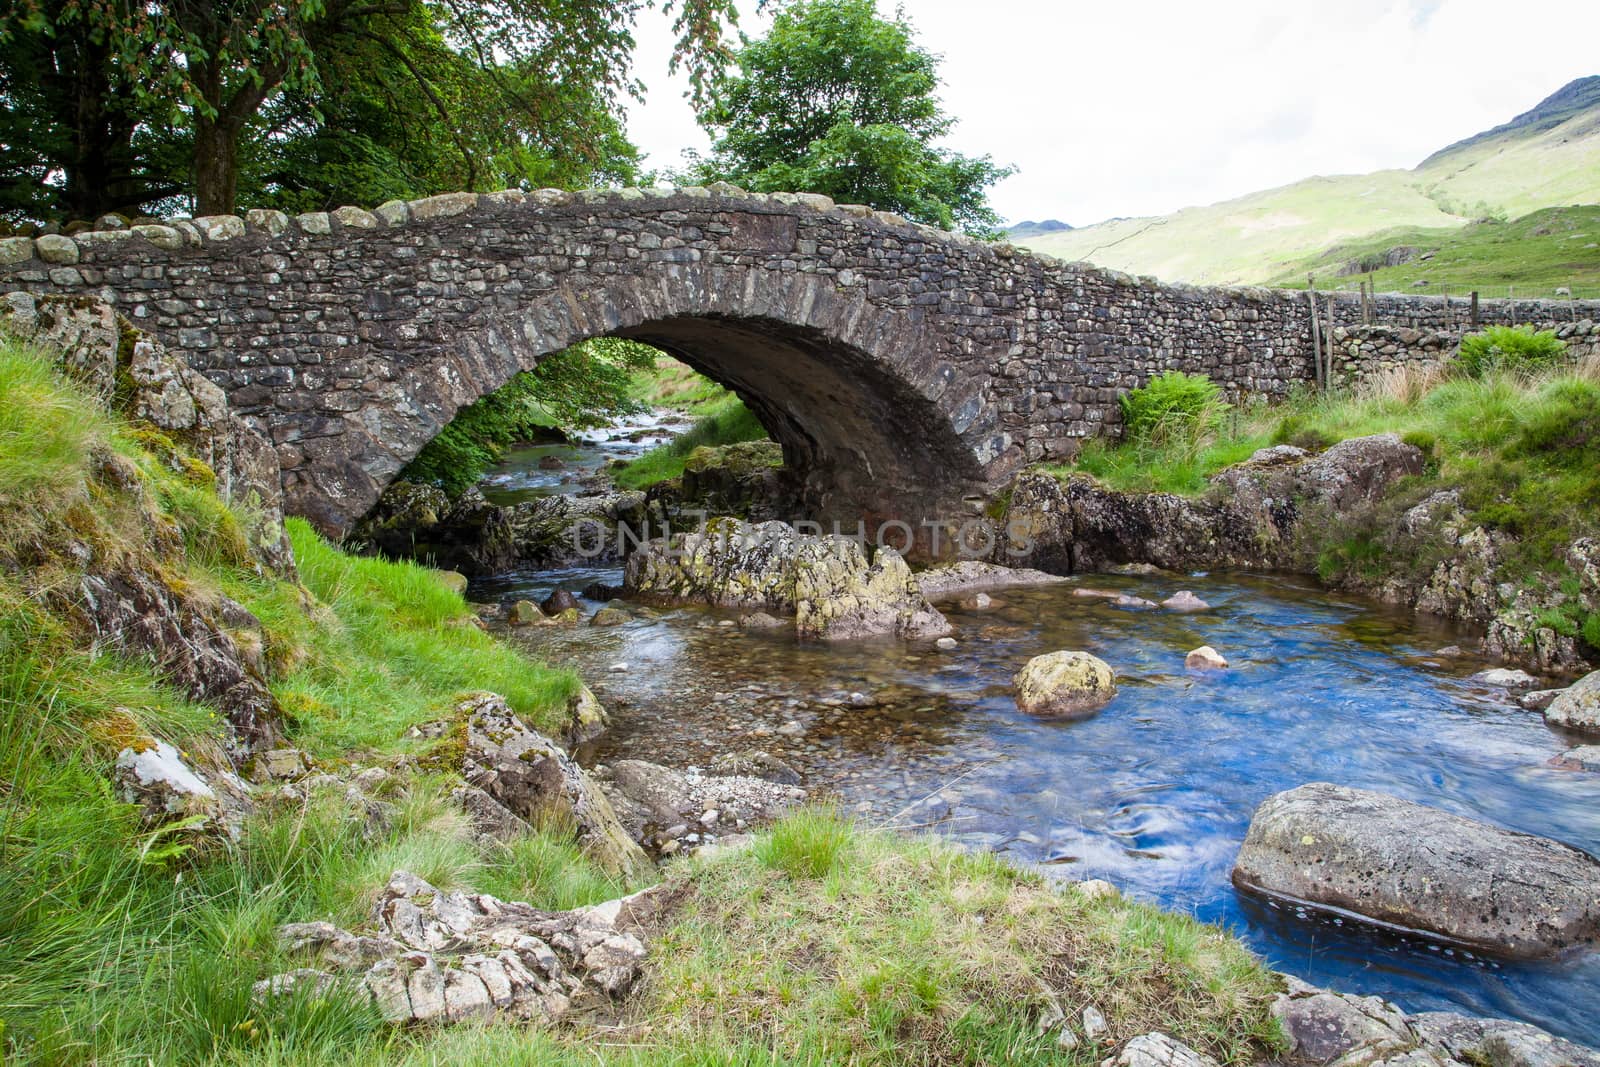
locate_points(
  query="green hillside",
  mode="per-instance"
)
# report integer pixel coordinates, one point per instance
(1547, 157)
(1537, 254)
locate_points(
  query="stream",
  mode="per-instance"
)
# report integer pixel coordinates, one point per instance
(1155, 792)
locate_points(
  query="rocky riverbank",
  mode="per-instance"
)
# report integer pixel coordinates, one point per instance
(1287, 509)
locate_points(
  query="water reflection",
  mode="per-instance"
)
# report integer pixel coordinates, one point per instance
(1155, 792)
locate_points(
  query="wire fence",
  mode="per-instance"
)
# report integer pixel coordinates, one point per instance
(1466, 289)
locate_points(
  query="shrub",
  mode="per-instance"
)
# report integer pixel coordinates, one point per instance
(1509, 348)
(1422, 441)
(1296, 430)
(1172, 404)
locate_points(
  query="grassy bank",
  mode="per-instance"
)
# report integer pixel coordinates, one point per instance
(724, 421)
(131, 944)
(669, 383)
(1522, 450)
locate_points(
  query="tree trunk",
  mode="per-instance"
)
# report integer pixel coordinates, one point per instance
(216, 166)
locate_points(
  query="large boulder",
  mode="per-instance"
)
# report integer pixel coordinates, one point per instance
(1065, 685)
(1421, 869)
(536, 780)
(1321, 1027)
(1577, 708)
(827, 583)
(1252, 515)
(473, 536)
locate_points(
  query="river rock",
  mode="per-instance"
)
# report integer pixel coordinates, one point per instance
(1064, 685)
(531, 775)
(610, 617)
(1422, 869)
(1205, 658)
(1323, 1027)
(649, 793)
(454, 581)
(760, 620)
(826, 582)
(1578, 708)
(524, 613)
(755, 764)
(1185, 601)
(559, 601)
(1539, 699)
(1582, 758)
(958, 579)
(1502, 678)
(586, 717)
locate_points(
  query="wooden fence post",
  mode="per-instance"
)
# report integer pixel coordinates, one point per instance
(1316, 330)
(1474, 312)
(1327, 375)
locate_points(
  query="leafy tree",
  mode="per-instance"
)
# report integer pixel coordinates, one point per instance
(836, 99)
(583, 386)
(207, 70)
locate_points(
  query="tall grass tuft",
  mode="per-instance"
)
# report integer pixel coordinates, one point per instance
(810, 843)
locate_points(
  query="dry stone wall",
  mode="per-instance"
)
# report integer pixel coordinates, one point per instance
(904, 370)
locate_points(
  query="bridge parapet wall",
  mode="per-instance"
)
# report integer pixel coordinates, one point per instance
(352, 337)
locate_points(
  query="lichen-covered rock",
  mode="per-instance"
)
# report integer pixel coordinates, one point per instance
(586, 717)
(445, 957)
(1422, 869)
(826, 582)
(1065, 685)
(1578, 707)
(1323, 1028)
(190, 639)
(1251, 516)
(157, 777)
(533, 777)
(1159, 1050)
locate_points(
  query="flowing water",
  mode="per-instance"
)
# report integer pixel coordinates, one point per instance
(1155, 792)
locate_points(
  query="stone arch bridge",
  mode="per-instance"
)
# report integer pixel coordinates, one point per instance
(906, 371)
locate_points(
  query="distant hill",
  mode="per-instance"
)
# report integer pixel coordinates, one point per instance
(1036, 229)
(1546, 157)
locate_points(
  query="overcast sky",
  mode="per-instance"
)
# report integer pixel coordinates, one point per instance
(1140, 108)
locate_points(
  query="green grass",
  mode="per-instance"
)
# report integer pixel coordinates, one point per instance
(386, 646)
(672, 384)
(726, 422)
(1554, 248)
(125, 944)
(1523, 451)
(833, 944)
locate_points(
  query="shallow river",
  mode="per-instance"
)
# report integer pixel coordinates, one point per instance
(1156, 791)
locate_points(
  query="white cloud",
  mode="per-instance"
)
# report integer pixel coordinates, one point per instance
(1142, 108)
